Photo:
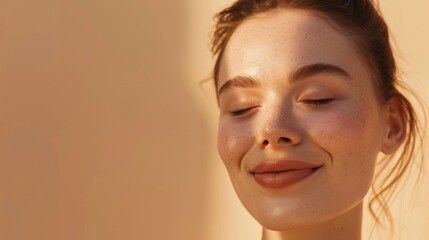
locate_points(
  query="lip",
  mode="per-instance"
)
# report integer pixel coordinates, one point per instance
(281, 174)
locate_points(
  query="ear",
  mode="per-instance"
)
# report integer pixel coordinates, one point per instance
(395, 126)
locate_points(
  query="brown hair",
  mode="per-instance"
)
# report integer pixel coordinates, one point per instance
(370, 32)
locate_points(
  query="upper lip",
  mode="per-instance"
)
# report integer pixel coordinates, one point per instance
(283, 165)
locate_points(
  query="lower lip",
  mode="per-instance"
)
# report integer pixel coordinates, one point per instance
(282, 179)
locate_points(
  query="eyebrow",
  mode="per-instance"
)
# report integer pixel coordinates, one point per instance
(300, 74)
(317, 69)
(239, 81)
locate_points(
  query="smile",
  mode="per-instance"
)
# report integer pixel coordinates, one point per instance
(283, 173)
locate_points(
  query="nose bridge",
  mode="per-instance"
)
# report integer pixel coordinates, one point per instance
(278, 125)
(277, 116)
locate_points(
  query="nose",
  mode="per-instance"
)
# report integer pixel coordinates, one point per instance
(278, 129)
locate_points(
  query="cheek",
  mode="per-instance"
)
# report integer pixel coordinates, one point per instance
(341, 130)
(352, 137)
(233, 141)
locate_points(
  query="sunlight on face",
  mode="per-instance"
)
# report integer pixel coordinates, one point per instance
(300, 127)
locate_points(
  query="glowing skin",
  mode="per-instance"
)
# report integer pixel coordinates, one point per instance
(328, 117)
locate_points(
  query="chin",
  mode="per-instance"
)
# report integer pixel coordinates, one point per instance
(283, 224)
(279, 219)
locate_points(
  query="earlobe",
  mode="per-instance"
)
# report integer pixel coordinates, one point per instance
(396, 126)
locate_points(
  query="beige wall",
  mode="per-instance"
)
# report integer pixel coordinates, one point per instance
(107, 133)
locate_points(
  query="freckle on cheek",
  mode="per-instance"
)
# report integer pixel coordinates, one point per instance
(226, 146)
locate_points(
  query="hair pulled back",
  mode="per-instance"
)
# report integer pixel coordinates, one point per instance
(363, 22)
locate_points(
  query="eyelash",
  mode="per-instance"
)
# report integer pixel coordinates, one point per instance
(241, 111)
(318, 102)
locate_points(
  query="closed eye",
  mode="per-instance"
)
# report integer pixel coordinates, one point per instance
(241, 111)
(318, 102)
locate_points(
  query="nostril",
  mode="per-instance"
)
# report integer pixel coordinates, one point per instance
(284, 140)
(280, 140)
(265, 143)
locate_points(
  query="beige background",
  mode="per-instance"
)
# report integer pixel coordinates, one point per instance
(106, 131)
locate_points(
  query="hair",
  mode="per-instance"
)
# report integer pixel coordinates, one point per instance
(363, 21)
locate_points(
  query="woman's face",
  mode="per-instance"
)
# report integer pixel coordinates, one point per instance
(300, 125)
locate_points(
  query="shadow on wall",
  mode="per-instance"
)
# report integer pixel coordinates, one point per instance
(98, 138)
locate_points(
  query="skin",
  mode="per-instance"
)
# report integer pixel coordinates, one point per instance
(327, 119)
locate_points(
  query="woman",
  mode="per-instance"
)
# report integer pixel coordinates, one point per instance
(308, 98)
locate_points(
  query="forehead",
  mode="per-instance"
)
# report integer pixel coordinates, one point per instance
(276, 43)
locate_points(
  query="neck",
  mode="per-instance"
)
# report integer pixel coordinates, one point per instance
(345, 226)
